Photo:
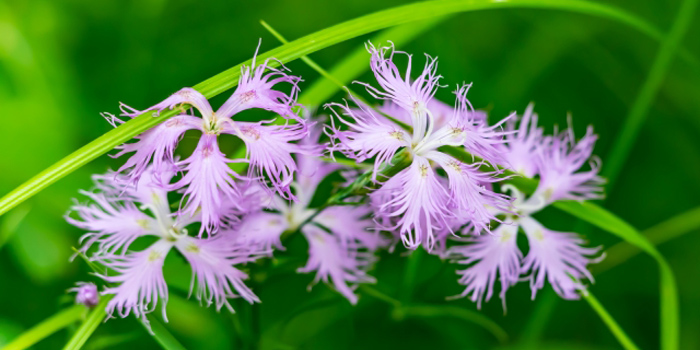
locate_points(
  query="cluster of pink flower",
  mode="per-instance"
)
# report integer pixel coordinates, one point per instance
(439, 202)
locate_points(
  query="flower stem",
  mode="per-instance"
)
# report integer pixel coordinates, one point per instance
(96, 316)
(49, 326)
(409, 276)
(621, 336)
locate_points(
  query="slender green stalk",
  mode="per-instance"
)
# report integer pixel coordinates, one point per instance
(663, 232)
(615, 328)
(640, 108)
(403, 310)
(301, 47)
(409, 276)
(537, 324)
(9, 225)
(49, 326)
(458, 313)
(379, 295)
(94, 319)
(668, 295)
(161, 334)
(112, 341)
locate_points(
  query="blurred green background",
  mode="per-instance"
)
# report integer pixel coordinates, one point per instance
(64, 62)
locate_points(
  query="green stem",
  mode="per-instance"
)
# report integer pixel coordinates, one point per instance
(620, 334)
(658, 234)
(401, 311)
(161, 334)
(537, 324)
(424, 311)
(49, 326)
(379, 295)
(11, 223)
(409, 275)
(94, 319)
(640, 108)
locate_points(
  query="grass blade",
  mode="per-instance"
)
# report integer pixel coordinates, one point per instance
(458, 313)
(161, 334)
(49, 326)
(668, 290)
(609, 321)
(304, 46)
(647, 94)
(672, 228)
(94, 319)
(402, 311)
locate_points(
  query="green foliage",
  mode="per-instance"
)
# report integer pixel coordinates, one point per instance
(288, 52)
(516, 55)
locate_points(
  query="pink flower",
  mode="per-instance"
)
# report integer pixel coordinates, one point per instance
(523, 144)
(352, 225)
(256, 90)
(208, 177)
(113, 225)
(140, 280)
(418, 201)
(137, 276)
(560, 160)
(490, 257)
(368, 136)
(411, 96)
(86, 294)
(344, 266)
(261, 231)
(208, 182)
(269, 149)
(558, 257)
(213, 273)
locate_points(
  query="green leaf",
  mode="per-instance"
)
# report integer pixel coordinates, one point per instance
(609, 321)
(161, 334)
(11, 223)
(45, 262)
(672, 228)
(647, 94)
(94, 319)
(47, 327)
(607, 221)
(304, 46)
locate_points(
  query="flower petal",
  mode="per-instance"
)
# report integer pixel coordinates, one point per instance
(472, 201)
(418, 201)
(212, 261)
(113, 225)
(269, 151)
(256, 90)
(261, 231)
(557, 256)
(489, 256)
(140, 278)
(367, 136)
(345, 266)
(561, 157)
(211, 189)
(352, 225)
(157, 144)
